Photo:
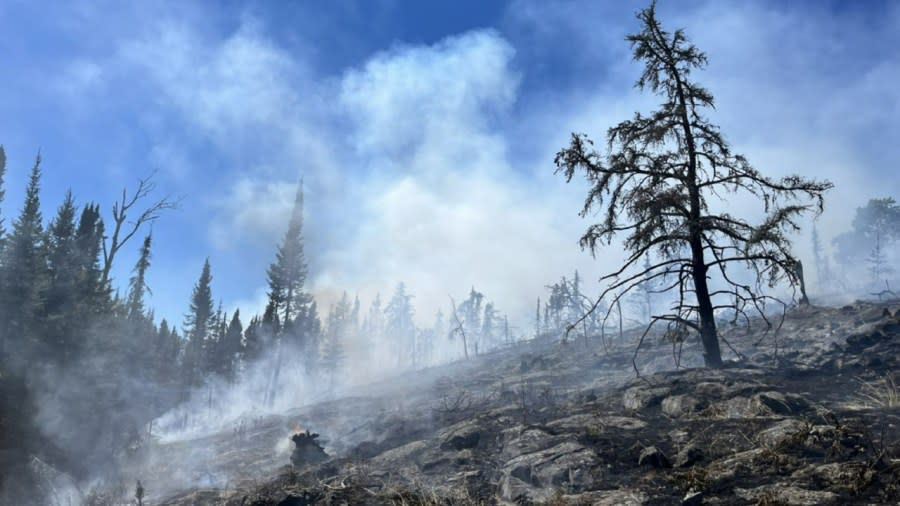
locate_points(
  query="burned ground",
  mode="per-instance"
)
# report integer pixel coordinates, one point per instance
(808, 416)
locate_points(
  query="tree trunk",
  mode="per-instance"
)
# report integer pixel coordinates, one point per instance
(712, 355)
(273, 385)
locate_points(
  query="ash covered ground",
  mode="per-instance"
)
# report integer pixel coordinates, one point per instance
(807, 415)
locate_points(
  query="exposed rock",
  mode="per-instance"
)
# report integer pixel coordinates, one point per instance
(566, 465)
(681, 406)
(783, 433)
(400, 454)
(742, 434)
(594, 421)
(689, 455)
(692, 498)
(518, 441)
(849, 476)
(788, 495)
(617, 498)
(764, 404)
(641, 397)
(461, 436)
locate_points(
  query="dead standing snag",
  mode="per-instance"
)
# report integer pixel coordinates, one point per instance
(124, 230)
(655, 184)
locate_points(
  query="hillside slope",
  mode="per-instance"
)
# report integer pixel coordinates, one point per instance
(808, 416)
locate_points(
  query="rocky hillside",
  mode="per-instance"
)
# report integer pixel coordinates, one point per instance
(810, 415)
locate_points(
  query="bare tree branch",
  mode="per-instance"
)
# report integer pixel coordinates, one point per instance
(123, 227)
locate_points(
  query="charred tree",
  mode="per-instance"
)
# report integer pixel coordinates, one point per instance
(124, 228)
(655, 184)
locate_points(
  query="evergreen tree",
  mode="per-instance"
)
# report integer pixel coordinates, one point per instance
(60, 305)
(231, 347)
(287, 275)
(878, 266)
(338, 328)
(880, 218)
(93, 293)
(253, 341)
(354, 317)
(399, 326)
(137, 284)
(24, 276)
(374, 326)
(197, 327)
(215, 357)
(469, 315)
(165, 353)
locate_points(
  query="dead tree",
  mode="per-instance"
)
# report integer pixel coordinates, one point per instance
(656, 183)
(459, 329)
(125, 228)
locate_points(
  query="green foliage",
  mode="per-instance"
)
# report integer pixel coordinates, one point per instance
(24, 277)
(875, 229)
(137, 284)
(197, 328)
(288, 274)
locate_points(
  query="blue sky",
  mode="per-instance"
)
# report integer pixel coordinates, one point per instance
(425, 131)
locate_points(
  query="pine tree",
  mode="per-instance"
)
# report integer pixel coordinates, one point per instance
(137, 284)
(469, 315)
(60, 304)
(878, 266)
(374, 327)
(197, 327)
(165, 353)
(253, 341)
(287, 275)
(489, 327)
(215, 358)
(399, 326)
(93, 293)
(24, 276)
(231, 347)
(354, 317)
(337, 330)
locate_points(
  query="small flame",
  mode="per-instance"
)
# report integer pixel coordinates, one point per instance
(297, 428)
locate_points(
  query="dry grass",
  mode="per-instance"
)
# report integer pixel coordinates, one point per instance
(880, 393)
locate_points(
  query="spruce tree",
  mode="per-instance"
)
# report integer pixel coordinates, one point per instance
(253, 341)
(137, 284)
(231, 347)
(287, 275)
(93, 293)
(61, 313)
(399, 326)
(24, 276)
(337, 330)
(197, 327)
